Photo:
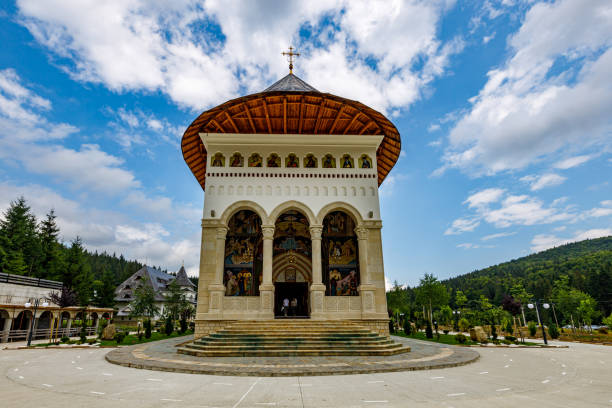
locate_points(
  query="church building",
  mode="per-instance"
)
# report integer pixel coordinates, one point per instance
(291, 209)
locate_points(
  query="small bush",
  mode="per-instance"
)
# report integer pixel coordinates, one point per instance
(446, 331)
(532, 328)
(91, 341)
(493, 332)
(485, 341)
(553, 331)
(510, 338)
(460, 338)
(506, 341)
(496, 342)
(407, 327)
(65, 339)
(601, 330)
(391, 326)
(428, 331)
(464, 324)
(183, 325)
(147, 327)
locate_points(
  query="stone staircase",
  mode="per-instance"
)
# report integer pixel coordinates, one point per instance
(279, 338)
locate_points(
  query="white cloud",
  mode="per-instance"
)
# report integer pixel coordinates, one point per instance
(544, 180)
(487, 38)
(530, 109)
(484, 197)
(433, 127)
(572, 162)
(603, 211)
(140, 45)
(30, 140)
(498, 235)
(502, 210)
(468, 245)
(544, 241)
(461, 225)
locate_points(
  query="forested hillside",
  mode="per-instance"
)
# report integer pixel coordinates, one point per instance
(586, 264)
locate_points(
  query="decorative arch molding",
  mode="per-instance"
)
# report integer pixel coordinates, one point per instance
(293, 205)
(244, 205)
(301, 263)
(339, 206)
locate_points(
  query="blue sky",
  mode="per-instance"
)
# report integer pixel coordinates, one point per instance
(504, 108)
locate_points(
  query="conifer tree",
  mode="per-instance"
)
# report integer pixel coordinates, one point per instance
(77, 274)
(20, 239)
(51, 264)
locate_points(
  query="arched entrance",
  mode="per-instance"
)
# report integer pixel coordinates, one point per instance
(292, 267)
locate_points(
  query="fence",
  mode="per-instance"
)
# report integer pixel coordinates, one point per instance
(28, 281)
(22, 335)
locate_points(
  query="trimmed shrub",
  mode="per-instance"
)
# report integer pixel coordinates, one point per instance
(65, 339)
(407, 327)
(485, 341)
(147, 327)
(602, 330)
(532, 328)
(553, 331)
(510, 338)
(506, 341)
(428, 331)
(464, 324)
(169, 326)
(391, 326)
(91, 341)
(446, 331)
(183, 325)
(460, 338)
(119, 336)
(494, 332)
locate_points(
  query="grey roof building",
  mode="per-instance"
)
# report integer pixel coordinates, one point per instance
(159, 281)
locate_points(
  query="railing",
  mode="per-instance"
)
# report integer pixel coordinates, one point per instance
(28, 281)
(22, 335)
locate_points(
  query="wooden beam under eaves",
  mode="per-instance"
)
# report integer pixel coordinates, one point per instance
(263, 100)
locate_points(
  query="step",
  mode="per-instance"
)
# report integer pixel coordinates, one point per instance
(293, 353)
(293, 341)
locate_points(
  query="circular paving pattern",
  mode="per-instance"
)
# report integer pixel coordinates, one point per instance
(162, 356)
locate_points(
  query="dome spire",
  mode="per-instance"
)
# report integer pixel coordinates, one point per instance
(290, 54)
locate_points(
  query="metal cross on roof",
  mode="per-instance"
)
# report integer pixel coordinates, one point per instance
(290, 54)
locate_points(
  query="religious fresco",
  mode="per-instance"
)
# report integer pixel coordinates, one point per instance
(310, 161)
(236, 160)
(292, 233)
(243, 255)
(365, 162)
(255, 160)
(292, 161)
(218, 160)
(329, 162)
(273, 160)
(347, 162)
(339, 255)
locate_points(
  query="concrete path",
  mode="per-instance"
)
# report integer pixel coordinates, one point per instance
(580, 376)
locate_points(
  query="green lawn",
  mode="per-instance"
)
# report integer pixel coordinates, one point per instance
(444, 338)
(133, 339)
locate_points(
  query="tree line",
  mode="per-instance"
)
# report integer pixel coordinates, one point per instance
(32, 247)
(574, 279)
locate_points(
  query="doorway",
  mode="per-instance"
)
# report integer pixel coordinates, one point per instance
(291, 290)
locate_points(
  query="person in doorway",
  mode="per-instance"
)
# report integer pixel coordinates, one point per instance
(294, 304)
(285, 308)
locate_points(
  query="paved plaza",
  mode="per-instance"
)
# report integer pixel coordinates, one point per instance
(578, 376)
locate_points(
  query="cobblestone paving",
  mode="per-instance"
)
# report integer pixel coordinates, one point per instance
(162, 356)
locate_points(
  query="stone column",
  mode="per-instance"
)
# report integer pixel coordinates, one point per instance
(266, 289)
(6, 330)
(68, 326)
(317, 289)
(366, 289)
(216, 289)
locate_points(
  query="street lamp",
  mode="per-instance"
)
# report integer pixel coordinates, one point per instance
(535, 305)
(28, 305)
(456, 313)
